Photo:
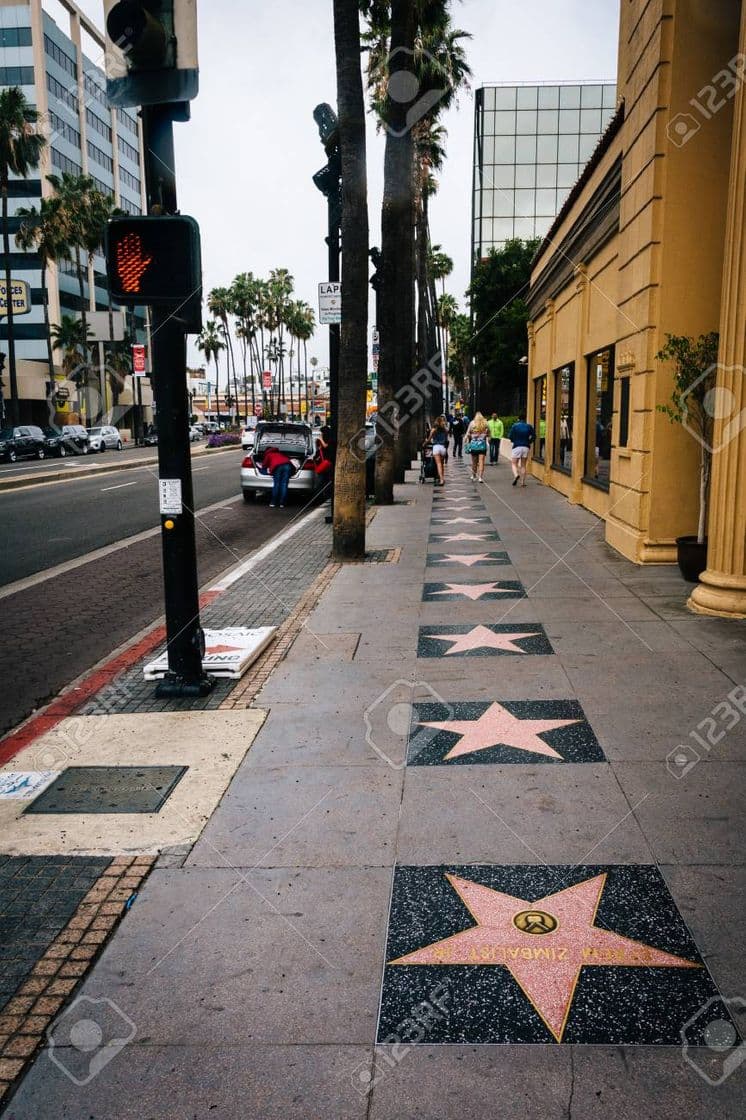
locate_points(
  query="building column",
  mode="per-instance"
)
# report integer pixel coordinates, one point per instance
(722, 590)
(580, 381)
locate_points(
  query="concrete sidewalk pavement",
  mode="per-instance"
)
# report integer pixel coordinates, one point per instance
(483, 857)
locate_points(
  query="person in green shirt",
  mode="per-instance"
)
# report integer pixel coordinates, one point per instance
(497, 431)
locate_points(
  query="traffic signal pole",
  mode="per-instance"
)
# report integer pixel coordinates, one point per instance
(185, 637)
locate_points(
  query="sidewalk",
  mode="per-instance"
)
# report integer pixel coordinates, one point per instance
(526, 899)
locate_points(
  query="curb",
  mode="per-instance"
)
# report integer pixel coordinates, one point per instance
(26, 480)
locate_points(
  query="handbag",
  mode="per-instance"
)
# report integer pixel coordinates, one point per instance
(477, 446)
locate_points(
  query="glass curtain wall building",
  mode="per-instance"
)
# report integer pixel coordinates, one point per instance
(58, 63)
(531, 143)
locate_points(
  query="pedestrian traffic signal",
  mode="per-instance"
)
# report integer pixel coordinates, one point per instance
(153, 261)
(151, 51)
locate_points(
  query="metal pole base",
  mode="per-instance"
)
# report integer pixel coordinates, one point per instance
(176, 688)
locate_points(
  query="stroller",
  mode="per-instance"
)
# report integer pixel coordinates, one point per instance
(427, 465)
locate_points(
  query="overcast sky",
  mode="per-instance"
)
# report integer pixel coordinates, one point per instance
(246, 159)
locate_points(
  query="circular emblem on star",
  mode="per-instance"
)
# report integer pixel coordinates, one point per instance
(535, 921)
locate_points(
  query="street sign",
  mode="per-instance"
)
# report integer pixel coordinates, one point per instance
(170, 496)
(266, 379)
(330, 303)
(139, 361)
(21, 295)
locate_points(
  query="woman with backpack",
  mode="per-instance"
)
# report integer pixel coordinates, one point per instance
(476, 444)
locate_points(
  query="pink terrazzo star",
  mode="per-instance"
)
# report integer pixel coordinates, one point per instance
(467, 561)
(482, 638)
(498, 728)
(459, 520)
(544, 944)
(463, 537)
(474, 591)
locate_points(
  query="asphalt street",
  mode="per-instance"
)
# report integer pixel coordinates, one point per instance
(46, 525)
(72, 463)
(58, 629)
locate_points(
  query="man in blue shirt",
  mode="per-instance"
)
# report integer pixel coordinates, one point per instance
(522, 436)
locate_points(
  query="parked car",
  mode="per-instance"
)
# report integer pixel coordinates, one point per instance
(195, 433)
(24, 442)
(70, 439)
(248, 436)
(150, 439)
(107, 436)
(295, 441)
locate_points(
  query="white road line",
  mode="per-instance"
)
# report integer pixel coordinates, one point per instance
(121, 486)
(256, 557)
(89, 557)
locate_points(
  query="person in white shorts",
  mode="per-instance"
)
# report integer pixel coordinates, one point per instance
(522, 436)
(439, 440)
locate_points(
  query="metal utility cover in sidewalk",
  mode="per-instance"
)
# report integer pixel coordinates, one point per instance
(109, 789)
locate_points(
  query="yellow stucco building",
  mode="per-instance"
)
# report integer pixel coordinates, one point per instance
(652, 241)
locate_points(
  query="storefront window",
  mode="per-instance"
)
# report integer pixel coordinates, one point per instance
(600, 410)
(540, 416)
(564, 399)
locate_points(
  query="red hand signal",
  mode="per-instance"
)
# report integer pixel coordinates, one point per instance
(131, 264)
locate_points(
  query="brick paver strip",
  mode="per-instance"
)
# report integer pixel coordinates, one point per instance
(30, 1012)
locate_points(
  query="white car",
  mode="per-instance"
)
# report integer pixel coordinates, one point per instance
(295, 441)
(107, 436)
(248, 437)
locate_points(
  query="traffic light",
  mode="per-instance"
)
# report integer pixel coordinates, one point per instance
(156, 261)
(151, 51)
(376, 280)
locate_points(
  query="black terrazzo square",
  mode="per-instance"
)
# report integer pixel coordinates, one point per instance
(109, 789)
(496, 640)
(462, 535)
(585, 955)
(465, 591)
(460, 519)
(487, 558)
(467, 733)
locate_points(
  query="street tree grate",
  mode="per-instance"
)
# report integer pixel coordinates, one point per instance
(380, 556)
(109, 789)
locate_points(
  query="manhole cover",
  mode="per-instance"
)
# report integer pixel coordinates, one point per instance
(109, 789)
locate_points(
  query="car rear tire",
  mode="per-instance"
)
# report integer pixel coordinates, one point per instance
(102, 448)
(247, 496)
(12, 457)
(41, 453)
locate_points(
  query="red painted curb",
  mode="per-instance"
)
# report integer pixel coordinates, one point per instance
(69, 702)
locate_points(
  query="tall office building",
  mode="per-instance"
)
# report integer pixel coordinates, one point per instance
(531, 142)
(57, 60)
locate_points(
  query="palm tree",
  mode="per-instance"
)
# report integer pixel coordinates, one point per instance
(20, 153)
(210, 344)
(349, 474)
(71, 337)
(445, 313)
(220, 304)
(41, 231)
(244, 294)
(305, 328)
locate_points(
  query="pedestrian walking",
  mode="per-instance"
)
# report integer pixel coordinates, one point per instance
(282, 470)
(439, 439)
(457, 432)
(497, 431)
(477, 435)
(522, 436)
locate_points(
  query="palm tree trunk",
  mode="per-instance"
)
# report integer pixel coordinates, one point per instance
(14, 402)
(397, 297)
(305, 380)
(349, 474)
(47, 325)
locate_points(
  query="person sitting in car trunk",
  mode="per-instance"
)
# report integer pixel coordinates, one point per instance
(281, 468)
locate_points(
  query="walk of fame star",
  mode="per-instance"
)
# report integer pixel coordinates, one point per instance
(460, 520)
(505, 589)
(483, 640)
(477, 732)
(486, 536)
(544, 943)
(468, 561)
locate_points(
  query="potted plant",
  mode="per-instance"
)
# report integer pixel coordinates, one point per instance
(693, 405)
